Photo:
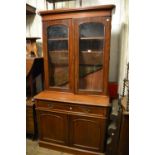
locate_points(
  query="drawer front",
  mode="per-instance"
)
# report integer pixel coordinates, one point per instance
(52, 105)
(70, 107)
(89, 109)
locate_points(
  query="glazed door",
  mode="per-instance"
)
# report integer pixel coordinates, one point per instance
(53, 127)
(58, 55)
(87, 133)
(92, 54)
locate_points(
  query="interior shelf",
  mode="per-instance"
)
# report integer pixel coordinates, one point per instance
(91, 38)
(30, 10)
(57, 39)
(59, 51)
(66, 51)
(91, 51)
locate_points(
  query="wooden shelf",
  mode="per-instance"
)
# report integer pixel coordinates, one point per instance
(58, 39)
(62, 51)
(87, 58)
(30, 10)
(32, 38)
(90, 58)
(59, 57)
(91, 51)
(91, 38)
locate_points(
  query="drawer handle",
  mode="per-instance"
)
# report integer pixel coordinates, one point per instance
(70, 108)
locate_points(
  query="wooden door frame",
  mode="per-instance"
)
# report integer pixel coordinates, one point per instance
(106, 21)
(68, 23)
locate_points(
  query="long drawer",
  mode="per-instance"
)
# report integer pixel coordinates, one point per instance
(71, 107)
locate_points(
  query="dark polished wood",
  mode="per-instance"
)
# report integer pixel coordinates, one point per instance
(50, 129)
(81, 131)
(70, 118)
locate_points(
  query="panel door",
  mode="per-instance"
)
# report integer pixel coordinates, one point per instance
(87, 133)
(58, 56)
(92, 40)
(53, 127)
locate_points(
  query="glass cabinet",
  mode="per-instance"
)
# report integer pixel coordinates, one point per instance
(77, 55)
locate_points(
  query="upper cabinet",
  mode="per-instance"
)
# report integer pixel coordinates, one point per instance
(76, 45)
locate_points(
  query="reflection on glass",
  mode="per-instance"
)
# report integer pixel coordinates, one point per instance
(91, 56)
(91, 30)
(58, 56)
(57, 31)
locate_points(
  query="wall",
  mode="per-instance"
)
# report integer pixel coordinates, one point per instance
(34, 28)
(123, 44)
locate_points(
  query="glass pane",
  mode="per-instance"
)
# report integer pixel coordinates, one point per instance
(58, 56)
(57, 31)
(91, 57)
(91, 30)
(57, 45)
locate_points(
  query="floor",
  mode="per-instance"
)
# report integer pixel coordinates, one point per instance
(32, 148)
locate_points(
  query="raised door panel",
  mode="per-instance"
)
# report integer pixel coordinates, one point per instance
(53, 127)
(92, 54)
(87, 133)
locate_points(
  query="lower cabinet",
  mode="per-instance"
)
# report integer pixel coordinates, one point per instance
(72, 128)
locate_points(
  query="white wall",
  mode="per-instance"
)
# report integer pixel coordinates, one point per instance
(123, 44)
(34, 28)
